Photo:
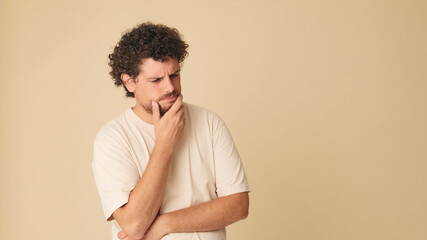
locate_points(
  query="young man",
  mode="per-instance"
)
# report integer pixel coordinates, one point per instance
(165, 169)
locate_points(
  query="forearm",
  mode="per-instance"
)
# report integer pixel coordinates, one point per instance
(146, 198)
(209, 216)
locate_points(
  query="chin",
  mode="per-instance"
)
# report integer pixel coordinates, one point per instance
(164, 109)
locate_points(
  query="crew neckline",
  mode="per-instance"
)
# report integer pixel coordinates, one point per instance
(137, 119)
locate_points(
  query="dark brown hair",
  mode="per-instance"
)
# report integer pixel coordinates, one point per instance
(147, 40)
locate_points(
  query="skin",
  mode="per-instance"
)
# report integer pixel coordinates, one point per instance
(157, 81)
(158, 98)
(208, 216)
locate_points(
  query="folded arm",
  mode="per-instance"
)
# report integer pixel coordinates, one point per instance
(208, 216)
(136, 216)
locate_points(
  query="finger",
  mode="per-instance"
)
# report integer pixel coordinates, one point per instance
(177, 104)
(181, 112)
(156, 111)
(121, 235)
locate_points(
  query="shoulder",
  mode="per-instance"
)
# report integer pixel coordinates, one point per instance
(111, 143)
(200, 112)
(194, 108)
(113, 130)
(202, 118)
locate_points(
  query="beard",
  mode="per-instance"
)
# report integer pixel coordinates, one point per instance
(149, 109)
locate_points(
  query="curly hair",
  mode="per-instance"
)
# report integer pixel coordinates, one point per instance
(147, 40)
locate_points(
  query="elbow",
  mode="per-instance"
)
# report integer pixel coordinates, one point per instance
(244, 206)
(245, 211)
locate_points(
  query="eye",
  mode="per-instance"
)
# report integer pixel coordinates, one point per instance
(155, 80)
(175, 75)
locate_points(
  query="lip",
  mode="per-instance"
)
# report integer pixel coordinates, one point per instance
(171, 98)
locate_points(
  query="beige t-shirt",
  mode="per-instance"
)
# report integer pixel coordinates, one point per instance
(205, 165)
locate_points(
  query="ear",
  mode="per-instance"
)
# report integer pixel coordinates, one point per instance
(128, 81)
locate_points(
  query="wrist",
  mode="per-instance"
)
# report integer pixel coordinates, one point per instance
(164, 224)
(163, 149)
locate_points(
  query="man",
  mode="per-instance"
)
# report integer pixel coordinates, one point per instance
(165, 169)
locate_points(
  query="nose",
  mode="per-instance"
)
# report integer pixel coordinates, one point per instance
(168, 86)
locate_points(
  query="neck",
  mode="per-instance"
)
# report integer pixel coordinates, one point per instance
(143, 114)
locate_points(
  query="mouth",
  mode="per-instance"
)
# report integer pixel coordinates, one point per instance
(171, 98)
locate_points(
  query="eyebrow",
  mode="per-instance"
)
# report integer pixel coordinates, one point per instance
(176, 72)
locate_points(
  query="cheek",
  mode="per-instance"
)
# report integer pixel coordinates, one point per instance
(144, 97)
(146, 93)
(178, 85)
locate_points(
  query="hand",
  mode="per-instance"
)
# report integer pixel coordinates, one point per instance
(169, 128)
(155, 232)
(123, 236)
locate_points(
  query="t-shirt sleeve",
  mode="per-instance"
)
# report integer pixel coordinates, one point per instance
(115, 172)
(229, 171)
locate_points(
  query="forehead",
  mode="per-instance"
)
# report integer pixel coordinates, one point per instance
(152, 68)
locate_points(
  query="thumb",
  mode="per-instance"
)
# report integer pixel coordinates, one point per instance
(156, 111)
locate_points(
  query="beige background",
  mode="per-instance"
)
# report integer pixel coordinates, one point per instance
(326, 101)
